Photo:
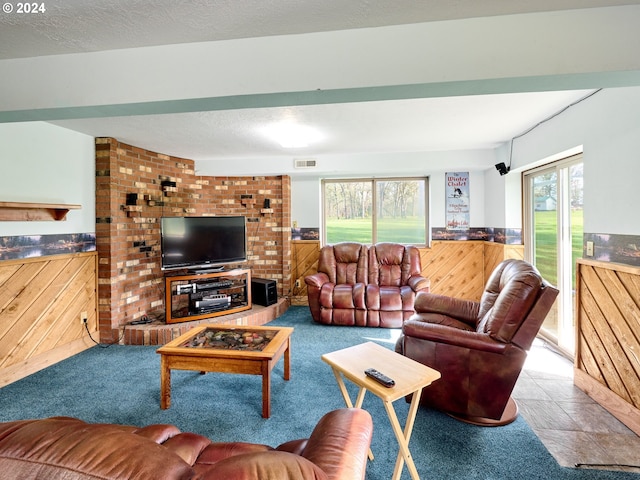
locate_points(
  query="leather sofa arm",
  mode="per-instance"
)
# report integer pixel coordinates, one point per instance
(337, 449)
(339, 444)
(419, 283)
(263, 465)
(317, 279)
(452, 336)
(464, 310)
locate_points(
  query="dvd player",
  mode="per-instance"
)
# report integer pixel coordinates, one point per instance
(188, 288)
(213, 301)
(211, 285)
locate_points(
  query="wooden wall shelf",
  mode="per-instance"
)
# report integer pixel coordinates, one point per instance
(24, 211)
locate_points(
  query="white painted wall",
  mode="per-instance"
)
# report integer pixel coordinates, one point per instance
(495, 188)
(355, 165)
(305, 188)
(305, 201)
(503, 198)
(607, 127)
(43, 163)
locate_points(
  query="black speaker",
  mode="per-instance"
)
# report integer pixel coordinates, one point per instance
(263, 291)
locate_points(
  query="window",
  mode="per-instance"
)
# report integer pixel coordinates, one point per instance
(376, 210)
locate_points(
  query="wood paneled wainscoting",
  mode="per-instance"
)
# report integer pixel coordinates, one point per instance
(456, 268)
(607, 360)
(304, 261)
(42, 303)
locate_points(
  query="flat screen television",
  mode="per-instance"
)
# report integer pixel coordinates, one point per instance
(202, 242)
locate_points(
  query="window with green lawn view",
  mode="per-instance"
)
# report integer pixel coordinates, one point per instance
(376, 210)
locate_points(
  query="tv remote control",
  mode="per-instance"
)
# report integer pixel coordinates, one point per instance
(379, 377)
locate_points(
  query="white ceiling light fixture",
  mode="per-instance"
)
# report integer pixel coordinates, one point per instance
(292, 135)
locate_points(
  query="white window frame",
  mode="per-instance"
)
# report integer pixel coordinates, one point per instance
(374, 181)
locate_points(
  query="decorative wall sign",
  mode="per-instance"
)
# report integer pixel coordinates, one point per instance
(305, 233)
(613, 248)
(26, 246)
(457, 200)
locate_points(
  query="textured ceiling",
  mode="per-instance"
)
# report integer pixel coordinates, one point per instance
(435, 124)
(73, 26)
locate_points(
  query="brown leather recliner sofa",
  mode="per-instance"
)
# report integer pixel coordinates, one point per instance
(479, 347)
(365, 286)
(70, 449)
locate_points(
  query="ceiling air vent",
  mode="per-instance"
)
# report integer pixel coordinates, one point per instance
(305, 162)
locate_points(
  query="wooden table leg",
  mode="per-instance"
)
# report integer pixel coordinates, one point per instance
(287, 360)
(266, 389)
(343, 388)
(403, 437)
(165, 383)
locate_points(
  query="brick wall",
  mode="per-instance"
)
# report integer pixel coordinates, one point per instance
(136, 187)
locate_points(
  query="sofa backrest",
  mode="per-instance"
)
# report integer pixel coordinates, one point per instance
(344, 263)
(392, 264)
(69, 448)
(63, 447)
(509, 296)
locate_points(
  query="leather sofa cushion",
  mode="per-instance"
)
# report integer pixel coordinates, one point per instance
(344, 263)
(342, 296)
(70, 452)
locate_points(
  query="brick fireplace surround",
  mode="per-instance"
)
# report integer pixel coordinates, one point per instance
(134, 189)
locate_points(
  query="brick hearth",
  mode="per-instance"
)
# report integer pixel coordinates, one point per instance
(159, 333)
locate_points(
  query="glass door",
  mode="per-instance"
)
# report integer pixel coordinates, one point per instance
(553, 210)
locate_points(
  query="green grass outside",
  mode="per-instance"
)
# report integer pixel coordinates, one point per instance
(546, 242)
(408, 230)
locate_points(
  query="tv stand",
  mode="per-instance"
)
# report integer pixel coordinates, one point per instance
(203, 295)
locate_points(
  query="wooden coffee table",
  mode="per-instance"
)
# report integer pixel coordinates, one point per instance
(222, 348)
(410, 378)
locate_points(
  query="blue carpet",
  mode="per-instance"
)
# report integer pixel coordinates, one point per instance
(120, 384)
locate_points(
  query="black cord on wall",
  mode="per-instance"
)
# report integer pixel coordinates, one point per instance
(103, 345)
(546, 120)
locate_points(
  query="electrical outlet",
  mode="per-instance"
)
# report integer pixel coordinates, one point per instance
(83, 318)
(589, 249)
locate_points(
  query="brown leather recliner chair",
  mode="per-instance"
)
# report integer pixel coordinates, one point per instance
(479, 347)
(365, 286)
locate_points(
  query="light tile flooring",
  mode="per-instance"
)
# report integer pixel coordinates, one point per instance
(573, 427)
